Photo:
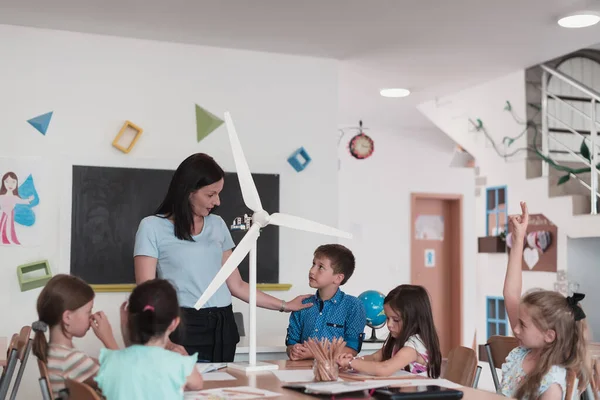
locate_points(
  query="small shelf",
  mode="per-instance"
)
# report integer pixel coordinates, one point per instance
(491, 244)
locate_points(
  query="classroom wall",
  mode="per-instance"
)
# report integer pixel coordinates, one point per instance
(583, 257)
(374, 197)
(94, 83)
(487, 102)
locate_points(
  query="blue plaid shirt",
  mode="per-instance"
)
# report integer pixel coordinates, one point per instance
(341, 316)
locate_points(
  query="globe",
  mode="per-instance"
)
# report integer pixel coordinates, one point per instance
(372, 301)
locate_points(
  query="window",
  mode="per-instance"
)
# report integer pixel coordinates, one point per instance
(496, 220)
(497, 320)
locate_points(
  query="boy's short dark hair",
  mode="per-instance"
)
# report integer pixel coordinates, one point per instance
(341, 258)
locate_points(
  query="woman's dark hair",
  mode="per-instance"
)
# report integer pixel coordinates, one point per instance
(152, 308)
(195, 172)
(412, 303)
(61, 293)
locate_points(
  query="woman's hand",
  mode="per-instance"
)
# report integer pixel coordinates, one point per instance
(296, 304)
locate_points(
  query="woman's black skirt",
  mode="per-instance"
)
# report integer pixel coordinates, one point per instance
(210, 332)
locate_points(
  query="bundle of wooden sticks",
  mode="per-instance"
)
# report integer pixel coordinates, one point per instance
(326, 353)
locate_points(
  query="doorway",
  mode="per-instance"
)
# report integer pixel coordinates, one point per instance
(436, 260)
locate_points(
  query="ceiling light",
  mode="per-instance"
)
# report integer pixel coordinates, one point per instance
(581, 19)
(396, 92)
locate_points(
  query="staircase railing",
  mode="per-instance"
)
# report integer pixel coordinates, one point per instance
(593, 137)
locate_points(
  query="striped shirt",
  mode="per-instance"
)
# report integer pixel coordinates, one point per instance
(68, 363)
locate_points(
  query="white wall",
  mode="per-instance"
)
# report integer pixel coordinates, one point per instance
(374, 196)
(94, 83)
(583, 268)
(451, 113)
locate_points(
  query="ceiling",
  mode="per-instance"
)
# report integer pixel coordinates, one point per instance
(432, 47)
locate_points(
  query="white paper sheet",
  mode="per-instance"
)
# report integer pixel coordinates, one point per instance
(204, 368)
(231, 393)
(294, 375)
(342, 387)
(218, 376)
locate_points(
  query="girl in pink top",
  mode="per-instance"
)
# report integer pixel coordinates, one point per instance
(413, 343)
(9, 198)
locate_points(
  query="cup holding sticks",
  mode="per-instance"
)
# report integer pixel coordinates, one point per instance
(325, 353)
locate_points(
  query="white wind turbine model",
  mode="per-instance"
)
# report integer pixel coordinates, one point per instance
(260, 219)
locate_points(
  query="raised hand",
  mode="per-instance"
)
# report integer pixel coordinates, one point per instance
(519, 223)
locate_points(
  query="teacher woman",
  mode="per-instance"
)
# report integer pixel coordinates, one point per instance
(186, 244)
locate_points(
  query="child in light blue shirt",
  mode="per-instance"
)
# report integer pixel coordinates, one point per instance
(145, 369)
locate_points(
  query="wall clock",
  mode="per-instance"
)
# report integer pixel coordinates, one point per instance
(361, 146)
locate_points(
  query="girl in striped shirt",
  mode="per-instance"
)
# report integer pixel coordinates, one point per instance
(65, 308)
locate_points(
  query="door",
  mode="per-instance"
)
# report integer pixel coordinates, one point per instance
(436, 261)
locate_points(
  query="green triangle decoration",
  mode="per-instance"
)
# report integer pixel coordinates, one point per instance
(206, 122)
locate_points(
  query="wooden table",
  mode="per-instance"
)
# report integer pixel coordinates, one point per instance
(267, 381)
(274, 348)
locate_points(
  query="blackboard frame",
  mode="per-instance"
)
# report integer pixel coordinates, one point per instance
(103, 198)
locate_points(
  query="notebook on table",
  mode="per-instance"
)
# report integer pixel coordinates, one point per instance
(417, 393)
(332, 388)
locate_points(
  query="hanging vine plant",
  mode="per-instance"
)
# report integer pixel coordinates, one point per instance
(530, 124)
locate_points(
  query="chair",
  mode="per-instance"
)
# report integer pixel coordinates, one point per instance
(462, 366)
(477, 376)
(497, 349)
(593, 391)
(239, 321)
(44, 381)
(11, 363)
(23, 355)
(81, 391)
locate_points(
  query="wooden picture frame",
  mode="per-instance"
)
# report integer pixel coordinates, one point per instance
(128, 124)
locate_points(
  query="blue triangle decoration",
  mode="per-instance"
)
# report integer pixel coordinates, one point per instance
(41, 122)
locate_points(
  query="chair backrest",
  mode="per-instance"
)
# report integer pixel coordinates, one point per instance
(500, 346)
(81, 391)
(462, 365)
(571, 376)
(9, 369)
(239, 321)
(23, 355)
(594, 355)
(45, 386)
(497, 349)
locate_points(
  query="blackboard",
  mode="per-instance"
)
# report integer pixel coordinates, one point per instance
(108, 204)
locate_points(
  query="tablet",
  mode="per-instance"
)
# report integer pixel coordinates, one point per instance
(417, 393)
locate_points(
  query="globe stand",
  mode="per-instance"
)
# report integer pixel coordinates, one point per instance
(373, 338)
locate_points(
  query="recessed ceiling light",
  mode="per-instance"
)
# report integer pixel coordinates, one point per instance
(580, 19)
(395, 92)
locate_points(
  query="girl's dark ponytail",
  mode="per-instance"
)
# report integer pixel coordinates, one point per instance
(152, 308)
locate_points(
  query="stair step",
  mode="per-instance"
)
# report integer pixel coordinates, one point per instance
(582, 205)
